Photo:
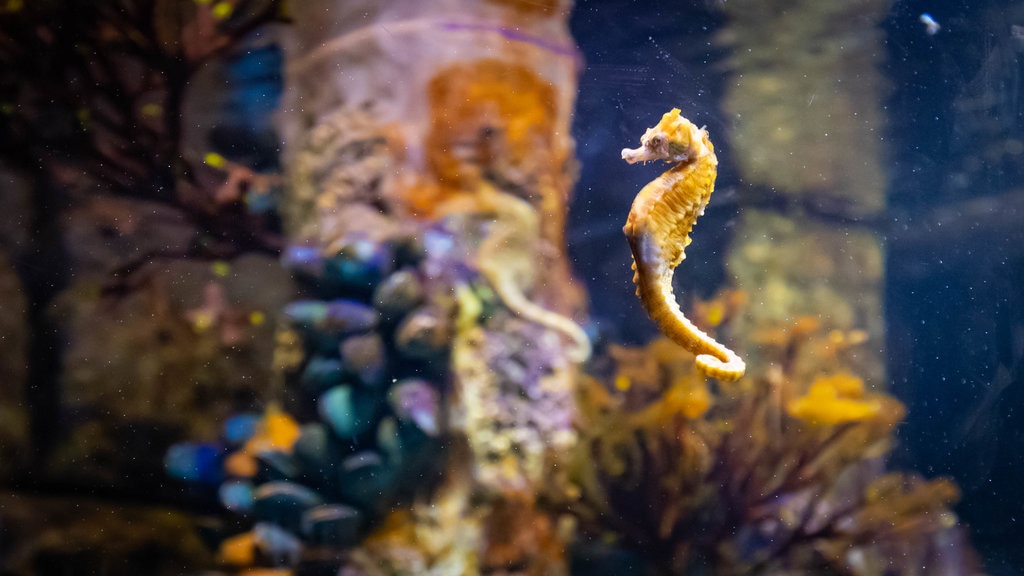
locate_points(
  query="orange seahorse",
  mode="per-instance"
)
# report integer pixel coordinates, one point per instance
(658, 230)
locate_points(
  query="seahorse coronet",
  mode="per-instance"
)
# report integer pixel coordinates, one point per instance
(658, 231)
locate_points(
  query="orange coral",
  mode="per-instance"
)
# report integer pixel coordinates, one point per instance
(662, 378)
(486, 116)
(494, 125)
(688, 392)
(835, 399)
(276, 431)
(238, 550)
(766, 493)
(719, 310)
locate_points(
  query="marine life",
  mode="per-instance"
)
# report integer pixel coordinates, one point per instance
(506, 258)
(658, 230)
(833, 400)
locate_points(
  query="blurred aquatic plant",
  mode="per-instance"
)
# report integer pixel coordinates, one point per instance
(93, 100)
(98, 87)
(93, 112)
(768, 475)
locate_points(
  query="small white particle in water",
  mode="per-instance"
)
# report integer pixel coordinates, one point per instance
(931, 27)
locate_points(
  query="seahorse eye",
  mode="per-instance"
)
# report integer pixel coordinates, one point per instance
(656, 142)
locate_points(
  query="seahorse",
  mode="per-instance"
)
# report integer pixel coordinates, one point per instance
(658, 231)
(506, 259)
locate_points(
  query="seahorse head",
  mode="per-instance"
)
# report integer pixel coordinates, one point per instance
(674, 139)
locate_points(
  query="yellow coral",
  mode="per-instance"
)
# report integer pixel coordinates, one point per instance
(834, 400)
(688, 396)
(239, 550)
(277, 431)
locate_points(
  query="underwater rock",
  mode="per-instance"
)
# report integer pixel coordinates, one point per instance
(128, 369)
(277, 543)
(303, 259)
(318, 453)
(423, 335)
(283, 503)
(190, 462)
(417, 401)
(364, 356)
(390, 441)
(276, 465)
(818, 97)
(359, 265)
(349, 411)
(321, 374)
(240, 427)
(816, 268)
(477, 120)
(409, 249)
(335, 525)
(398, 294)
(366, 480)
(236, 496)
(343, 316)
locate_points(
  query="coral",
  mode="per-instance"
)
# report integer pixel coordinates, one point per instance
(658, 230)
(495, 124)
(515, 396)
(507, 258)
(340, 183)
(835, 399)
(116, 77)
(774, 476)
(488, 119)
